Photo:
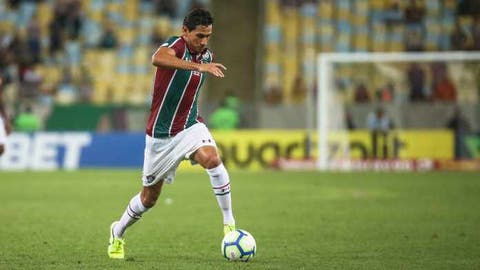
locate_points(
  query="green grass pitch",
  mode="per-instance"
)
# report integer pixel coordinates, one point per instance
(301, 220)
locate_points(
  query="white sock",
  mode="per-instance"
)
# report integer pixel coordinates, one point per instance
(221, 188)
(132, 214)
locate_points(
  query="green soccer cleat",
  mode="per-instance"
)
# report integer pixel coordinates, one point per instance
(115, 245)
(228, 228)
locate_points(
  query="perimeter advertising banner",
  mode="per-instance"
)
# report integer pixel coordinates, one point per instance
(72, 150)
(242, 149)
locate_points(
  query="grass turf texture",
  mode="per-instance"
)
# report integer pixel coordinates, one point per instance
(301, 220)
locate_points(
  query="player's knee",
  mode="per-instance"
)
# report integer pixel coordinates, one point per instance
(212, 161)
(149, 197)
(149, 201)
(2, 149)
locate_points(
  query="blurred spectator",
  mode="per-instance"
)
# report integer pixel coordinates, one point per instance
(379, 124)
(476, 33)
(442, 87)
(157, 37)
(5, 53)
(66, 23)
(414, 40)
(14, 3)
(56, 37)
(19, 47)
(386, 93)
(379, 121)
(393, 13)
(5, 127)
(47, 94)
(445, 91)
(27, 121)
(458, 37)
(34, 39)
(227, 116)
(414, 13)
(72, 53)
(85, 86)
(460, 126)
(439, 71)
(194, 4)
(75, 18)
(290, 3)
(119, 119)
(45, 100)
(414, 32)
(361, 94)
(416, 81)
(69, 14)
(104, 124)
(273, 95)
(8, 66)
(468, 7)
(299, 90)
(165, 7)
(66, 92)
(30, 81)
(349, 121)
(108, 40)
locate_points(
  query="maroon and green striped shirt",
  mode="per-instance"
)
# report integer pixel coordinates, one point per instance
(175, 93)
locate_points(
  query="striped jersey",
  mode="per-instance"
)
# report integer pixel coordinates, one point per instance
(175, 93)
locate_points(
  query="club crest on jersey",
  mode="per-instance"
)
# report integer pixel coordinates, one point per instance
(205, 58)
(150, 178)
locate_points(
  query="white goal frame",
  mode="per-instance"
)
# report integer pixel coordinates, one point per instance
(325, 62)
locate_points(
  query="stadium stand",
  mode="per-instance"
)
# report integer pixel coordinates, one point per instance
(359, 26)
(70, 51)
(62, 52)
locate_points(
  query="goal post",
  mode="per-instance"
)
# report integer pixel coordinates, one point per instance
(329, 107)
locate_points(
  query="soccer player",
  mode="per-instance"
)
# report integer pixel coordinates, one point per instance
(175, 130)
(5, 127)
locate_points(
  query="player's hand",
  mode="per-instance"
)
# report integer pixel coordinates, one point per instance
(213, 68)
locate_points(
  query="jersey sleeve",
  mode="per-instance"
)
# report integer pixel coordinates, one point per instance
(175, 43)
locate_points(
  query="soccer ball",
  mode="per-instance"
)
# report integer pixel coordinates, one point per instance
(239, 245)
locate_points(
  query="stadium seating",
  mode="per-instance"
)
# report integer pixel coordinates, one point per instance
(113, 70)
(294, 32)
(349, 26)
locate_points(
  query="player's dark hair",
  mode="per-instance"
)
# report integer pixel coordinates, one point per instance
(197, 17)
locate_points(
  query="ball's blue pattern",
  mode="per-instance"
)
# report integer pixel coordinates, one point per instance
(237, 244)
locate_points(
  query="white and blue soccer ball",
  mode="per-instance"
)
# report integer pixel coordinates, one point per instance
(239, 245)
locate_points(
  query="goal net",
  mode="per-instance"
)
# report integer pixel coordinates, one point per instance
(418, 93)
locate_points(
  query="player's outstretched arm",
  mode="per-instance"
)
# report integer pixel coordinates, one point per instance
(165, 57)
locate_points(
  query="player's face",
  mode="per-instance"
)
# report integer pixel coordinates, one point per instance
(197, 39)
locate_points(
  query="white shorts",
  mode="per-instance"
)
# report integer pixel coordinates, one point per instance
(3, 132)
(163, 155)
